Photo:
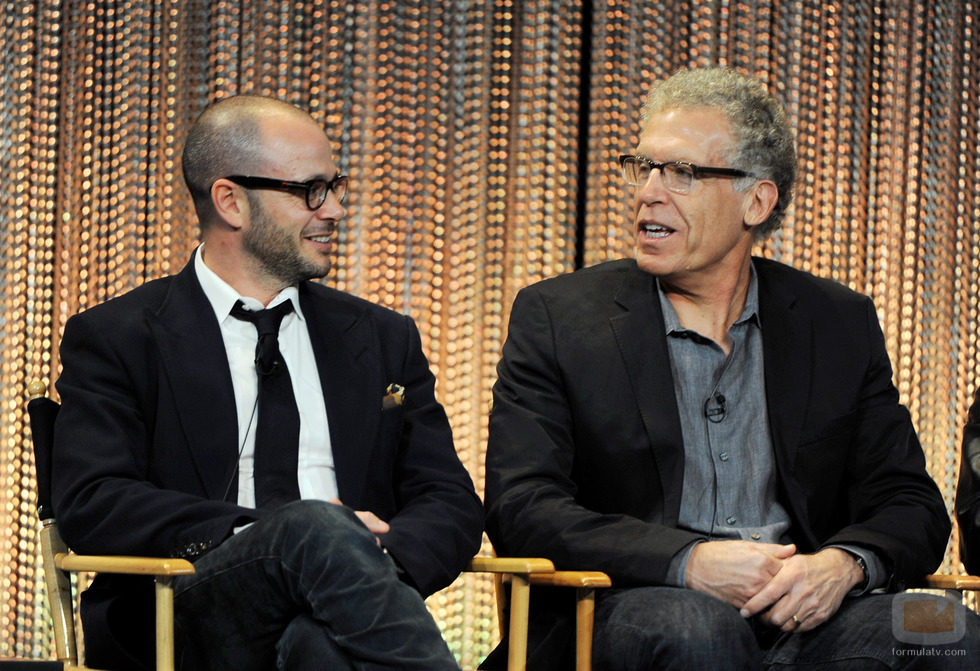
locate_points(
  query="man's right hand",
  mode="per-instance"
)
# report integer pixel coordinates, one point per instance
(734, 571)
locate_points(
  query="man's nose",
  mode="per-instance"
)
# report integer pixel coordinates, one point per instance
(331, 207)
(654, 187)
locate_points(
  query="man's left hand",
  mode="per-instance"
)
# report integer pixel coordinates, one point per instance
(375, 524)
(806, 591)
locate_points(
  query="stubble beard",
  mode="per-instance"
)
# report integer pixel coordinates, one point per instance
(277, 252)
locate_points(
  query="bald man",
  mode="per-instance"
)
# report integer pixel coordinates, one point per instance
(305, 467)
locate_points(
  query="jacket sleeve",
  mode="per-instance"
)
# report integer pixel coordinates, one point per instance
(968, 491)
(106, 496)
(541, 458)
(861, 464)
(436, 517)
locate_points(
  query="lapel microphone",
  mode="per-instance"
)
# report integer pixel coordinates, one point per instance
(715, 408)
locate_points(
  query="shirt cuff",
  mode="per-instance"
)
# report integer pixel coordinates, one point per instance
(875, 568)
(677, 569)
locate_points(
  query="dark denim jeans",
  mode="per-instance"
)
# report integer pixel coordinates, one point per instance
(667, 628)
(305, 588)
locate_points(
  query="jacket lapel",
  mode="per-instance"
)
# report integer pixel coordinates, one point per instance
(788, 356)
(639, 332)
(341, 344)
(193, 358)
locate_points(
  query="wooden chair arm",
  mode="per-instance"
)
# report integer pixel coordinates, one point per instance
(585, 584)
(527, 571)
(581, 579)
(958, 582)
(129, 565)
(523, 565)
(162, 569)
(520, 570)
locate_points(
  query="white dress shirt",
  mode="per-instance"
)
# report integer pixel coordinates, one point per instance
(316, 475)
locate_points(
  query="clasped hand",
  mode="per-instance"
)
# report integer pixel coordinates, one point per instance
(375, 524)
(791, 591)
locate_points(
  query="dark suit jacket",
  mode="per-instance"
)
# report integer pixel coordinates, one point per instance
(968, 491)
(147, 441)
(585, 462)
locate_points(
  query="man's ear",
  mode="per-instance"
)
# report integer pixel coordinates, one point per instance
(230, 202)
(761, 201)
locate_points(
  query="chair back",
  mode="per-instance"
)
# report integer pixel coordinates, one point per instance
(42, 412)
(58, 561)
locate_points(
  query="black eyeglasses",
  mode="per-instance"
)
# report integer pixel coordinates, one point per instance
(679, 176)
(314, 190)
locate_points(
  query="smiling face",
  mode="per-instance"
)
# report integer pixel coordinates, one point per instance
(283, 240)
(703, 236)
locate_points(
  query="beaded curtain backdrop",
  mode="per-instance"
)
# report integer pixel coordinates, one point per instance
(481, 140)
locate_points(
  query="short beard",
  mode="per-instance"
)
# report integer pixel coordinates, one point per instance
(276, 251)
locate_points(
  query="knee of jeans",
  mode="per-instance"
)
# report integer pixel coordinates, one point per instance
(672, 630)
(714, 628)
(323, 519)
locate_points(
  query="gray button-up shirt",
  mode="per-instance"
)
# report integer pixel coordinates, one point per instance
(730, 486)
(729, 471)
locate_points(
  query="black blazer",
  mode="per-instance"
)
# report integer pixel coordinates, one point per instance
(968, 491)
(146, 443)
(585, 460)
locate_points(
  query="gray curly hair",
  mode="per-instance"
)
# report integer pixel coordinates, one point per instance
(764, 143)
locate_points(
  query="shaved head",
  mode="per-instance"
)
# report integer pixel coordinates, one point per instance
(227, 140)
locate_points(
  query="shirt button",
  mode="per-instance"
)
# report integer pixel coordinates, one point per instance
(731, 519)
(756, 536)
(723, 456)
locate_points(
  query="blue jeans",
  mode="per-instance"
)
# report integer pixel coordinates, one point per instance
(307, 587)
(666, 628)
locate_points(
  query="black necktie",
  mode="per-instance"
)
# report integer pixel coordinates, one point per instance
(277, 433)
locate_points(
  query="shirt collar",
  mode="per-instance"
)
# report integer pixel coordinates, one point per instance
(223, 297)
(672, 324)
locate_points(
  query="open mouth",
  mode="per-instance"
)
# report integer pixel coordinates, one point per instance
(322, 233)
(655, 231)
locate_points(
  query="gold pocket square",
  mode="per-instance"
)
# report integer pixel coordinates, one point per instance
(394, 396)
